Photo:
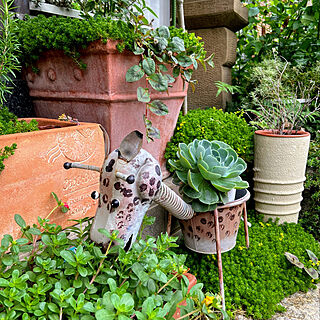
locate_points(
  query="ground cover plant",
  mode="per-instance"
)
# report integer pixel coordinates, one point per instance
(257, 279)
(47, 274)
(213, 124)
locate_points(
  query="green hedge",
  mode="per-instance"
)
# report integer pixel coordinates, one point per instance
(310, 214)
(256, 280)
(213, 124)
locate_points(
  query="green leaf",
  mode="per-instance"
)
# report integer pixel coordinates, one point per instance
(7, 260)
(194, 180)
(163, 68)
(188, 74)
(104, 314)
(143, 95)
(176, 71)
(158, 107)
(207, 174)
(183, 176)
(138, 270)
(68, 256)
(149, 66)
(177, 45)
(253, 11)
(223, 185)
(184, 61)
(135, 73)
(164, 32)
(158, 82)
(208, 195)
(4, 282)
(19, 220)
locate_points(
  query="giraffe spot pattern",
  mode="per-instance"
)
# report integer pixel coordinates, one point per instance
(110, 165)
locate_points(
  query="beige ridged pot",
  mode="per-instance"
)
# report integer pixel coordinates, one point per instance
(279, 173)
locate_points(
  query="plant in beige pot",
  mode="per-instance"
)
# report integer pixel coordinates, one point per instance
(281, 148)
(209, 177)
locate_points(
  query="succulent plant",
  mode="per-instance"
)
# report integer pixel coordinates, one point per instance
(206, 172)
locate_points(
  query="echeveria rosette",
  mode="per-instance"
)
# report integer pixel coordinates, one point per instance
(207, 171)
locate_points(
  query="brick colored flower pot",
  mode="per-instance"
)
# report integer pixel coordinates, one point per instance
(199, 231)
(36, 169)
(192, 282)
(101, 94)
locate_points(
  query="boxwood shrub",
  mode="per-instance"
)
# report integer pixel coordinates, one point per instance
(257, 279)
(213, 124)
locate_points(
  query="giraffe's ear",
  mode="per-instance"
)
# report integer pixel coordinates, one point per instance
(131, 145)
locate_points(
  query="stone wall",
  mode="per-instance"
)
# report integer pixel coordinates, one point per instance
(216, 21)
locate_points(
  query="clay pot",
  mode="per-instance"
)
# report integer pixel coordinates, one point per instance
(199, 232)
(36, 169)
(101, 94)
(192, 282)
(279, 173)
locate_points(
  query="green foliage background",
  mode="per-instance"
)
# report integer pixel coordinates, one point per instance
(213, 124)
(310, 214)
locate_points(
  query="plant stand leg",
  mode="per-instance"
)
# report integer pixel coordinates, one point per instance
(219, 258)
(246, 230)
(169, 223)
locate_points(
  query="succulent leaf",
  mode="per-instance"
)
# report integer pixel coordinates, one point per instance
(241, 185)
(194, 180)
(183, 176)
(191, 193)
(208, 195)
(197, 206)
(175, 164)
(207, 174)
(223, 185)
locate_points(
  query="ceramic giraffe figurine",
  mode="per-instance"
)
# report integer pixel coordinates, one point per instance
(130, 179)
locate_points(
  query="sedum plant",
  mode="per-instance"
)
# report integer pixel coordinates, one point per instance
(207, 171)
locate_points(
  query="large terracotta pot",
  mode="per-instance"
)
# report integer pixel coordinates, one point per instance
(279, 173)
(36, 169)
(199, 231)
(101, 94)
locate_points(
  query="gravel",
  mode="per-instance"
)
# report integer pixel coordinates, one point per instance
(300, 306)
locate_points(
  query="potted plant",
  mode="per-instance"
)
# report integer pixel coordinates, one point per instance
(209, 175)
(281, 146)
(32, 153)
(133, 74)
(63, 277)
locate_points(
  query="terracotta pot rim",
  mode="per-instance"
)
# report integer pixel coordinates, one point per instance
(65, 125)
(269, 133)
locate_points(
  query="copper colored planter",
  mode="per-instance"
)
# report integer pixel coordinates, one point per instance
(199, 232)
(101, 94)
(36, 169)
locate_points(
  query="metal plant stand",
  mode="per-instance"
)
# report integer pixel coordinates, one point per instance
(218, 245)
